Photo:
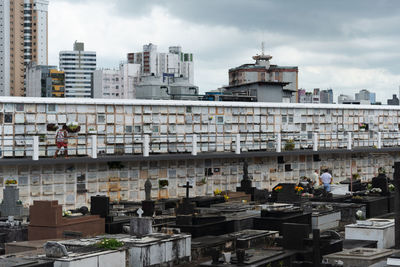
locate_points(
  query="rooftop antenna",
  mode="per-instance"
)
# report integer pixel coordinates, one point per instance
(262, 47)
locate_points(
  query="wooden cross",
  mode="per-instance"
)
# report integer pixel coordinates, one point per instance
(187, 186)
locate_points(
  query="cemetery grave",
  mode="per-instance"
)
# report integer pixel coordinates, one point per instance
(47, 221)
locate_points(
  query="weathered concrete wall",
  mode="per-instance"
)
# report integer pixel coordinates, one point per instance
(73, 184)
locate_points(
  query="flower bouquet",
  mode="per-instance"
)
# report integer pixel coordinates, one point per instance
(278, 189)
(391, 187)
(217, 192)
(11, 182)
(299, 190)
(73, 127)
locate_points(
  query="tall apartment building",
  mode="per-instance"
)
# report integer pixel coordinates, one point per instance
(263, 71)
(118, 83)
(366, 96)
(24, 25)
(78, 66)
(175, 62)
(4, 48)
(44, 81)
(326, 96)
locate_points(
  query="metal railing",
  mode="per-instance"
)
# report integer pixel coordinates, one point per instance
(146, 144)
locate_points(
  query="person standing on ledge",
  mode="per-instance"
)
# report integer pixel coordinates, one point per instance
(62, 141)
(326, 180)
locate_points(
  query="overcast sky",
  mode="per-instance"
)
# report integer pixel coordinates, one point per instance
(340, 44)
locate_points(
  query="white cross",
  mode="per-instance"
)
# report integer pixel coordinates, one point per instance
(140, 212)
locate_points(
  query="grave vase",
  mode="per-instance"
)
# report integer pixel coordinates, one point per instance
(163, 193)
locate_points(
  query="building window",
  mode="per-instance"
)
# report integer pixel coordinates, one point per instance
(8, 118)
(128, 129)
(19, 107)
(101, 118)
(138, 129)
(220, 119)
(51, 108)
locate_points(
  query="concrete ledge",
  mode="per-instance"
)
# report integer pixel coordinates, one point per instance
(183, 156)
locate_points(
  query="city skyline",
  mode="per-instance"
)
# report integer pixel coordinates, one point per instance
(339, 45)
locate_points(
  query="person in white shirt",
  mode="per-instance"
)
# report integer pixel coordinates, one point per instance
(314, 178)
(326, 180)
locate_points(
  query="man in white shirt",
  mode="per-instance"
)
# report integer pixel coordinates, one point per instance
(326, 180)
(314, 178)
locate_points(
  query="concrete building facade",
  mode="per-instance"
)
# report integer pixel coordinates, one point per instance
(168, 88)
(44, 81)
(4, 48)
(326, 96)
(263, 71)
(175, 62)
(117, 84)
(365, 96)
(27, 39)
(78, 66)
(262, 91)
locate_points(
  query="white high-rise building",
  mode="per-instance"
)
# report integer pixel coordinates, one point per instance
(4, 48)
(175, 63)
(23, 39)
(40, 7)
(116, 83)
(78, 66)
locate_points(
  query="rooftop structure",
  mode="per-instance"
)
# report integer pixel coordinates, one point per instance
(262, 70)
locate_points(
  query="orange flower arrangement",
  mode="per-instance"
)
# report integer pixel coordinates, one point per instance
(298, 189)
(278, 188)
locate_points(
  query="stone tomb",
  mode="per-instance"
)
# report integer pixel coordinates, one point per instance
(273, 216)
(381, 182)
(100, 205)
(286, 195)
(358, 256)
(11, 205)
(245, 239)
(155, 249)
(375, 205)
(201, 224)
(20, 262)
(47, 222)
(347, 210)
(324, 217)
(381, 230)
(257, 258)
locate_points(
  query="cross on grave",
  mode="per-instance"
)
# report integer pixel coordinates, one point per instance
(140, 212)
(187, 186)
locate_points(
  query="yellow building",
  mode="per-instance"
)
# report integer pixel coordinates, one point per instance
(58, 83)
